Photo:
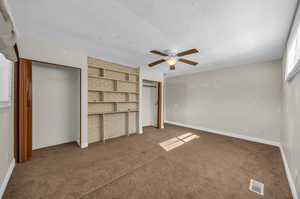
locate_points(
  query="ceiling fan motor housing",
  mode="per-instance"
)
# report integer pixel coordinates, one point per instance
(172, 57)
(171, 52)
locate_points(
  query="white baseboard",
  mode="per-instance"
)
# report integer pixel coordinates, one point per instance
(7, 177)
(84, 145)
(289, 174)
(235, 135)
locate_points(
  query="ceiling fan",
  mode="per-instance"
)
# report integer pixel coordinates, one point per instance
(172, 58)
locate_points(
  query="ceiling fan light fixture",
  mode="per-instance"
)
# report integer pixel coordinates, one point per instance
(172, 61)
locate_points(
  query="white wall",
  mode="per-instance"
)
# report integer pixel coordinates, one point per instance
(6, 147)
(243, 100)
(290, 135)
(7, 161)
(147, 73)
(290, 132)
(4, 78)
(55, 105)
(47, 52)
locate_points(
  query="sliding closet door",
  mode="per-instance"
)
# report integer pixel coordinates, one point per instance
(56, 104)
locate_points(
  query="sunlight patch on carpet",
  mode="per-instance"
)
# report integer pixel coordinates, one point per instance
(178, 141)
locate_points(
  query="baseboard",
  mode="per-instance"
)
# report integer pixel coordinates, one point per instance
(235, 135)
(7, 177)
(289, 174)
(84, 145)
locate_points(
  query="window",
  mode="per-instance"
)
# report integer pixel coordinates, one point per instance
(5, 81)
(293, 52)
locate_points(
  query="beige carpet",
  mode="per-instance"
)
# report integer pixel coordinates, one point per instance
(136, 167)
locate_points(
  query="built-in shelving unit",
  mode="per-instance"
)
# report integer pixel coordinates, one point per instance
(113, 100)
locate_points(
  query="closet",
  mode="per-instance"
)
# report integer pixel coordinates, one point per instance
(150, 103)
(55, 105)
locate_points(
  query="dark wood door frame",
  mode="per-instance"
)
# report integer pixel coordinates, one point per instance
(159, 104)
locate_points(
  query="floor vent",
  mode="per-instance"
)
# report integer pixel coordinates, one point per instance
(256, 187)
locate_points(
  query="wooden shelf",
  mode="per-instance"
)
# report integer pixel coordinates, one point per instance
(95, 90)
(120, 80)
(96, 102)
(114, 112)
(130, 73)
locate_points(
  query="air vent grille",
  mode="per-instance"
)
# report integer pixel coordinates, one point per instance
(256, 187)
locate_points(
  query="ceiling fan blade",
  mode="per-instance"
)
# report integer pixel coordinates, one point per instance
(188, 62)
(158, 53)
(187, 52)
(156, 62)
(172, 67)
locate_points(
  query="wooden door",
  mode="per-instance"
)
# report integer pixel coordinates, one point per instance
(23, 110)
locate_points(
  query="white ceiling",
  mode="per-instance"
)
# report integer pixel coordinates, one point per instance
(227, 33)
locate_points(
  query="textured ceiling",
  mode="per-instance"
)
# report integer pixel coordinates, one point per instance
(227, 33)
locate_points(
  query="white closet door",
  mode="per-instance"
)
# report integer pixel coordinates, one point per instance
(55, 104)
(149, 106)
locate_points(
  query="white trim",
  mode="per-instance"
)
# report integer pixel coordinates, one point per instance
(84, 145)
(290, 75)
(7, 177)
(289, 174)
(5, 104)
(252, 139)
(292, 39)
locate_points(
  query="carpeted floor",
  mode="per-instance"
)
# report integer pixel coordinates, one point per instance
(136, 167)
